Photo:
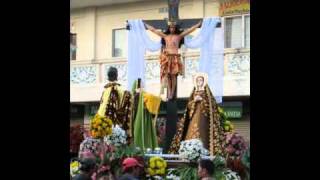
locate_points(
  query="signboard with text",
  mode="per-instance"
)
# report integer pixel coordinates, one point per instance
(232, 109)
(234, 7)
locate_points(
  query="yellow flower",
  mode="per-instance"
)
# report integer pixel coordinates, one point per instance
(109, 123)
(93, 133)
(158, 171)
(109, 131)
(152, 164)
(159, 164)
(98, 134)
(74, 164)
(162, 171)
(151, 172)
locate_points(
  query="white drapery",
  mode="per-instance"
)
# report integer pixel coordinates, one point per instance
(138, 43)
(211, 43)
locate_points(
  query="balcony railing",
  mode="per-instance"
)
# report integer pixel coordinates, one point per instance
(236, 72)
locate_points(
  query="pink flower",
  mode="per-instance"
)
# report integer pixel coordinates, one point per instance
(234, 141)
(230, 149)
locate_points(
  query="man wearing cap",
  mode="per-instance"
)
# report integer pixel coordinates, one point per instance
(131, 169)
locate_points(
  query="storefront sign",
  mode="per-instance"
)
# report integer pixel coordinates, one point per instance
(233, 112)
(232, 109)
(233, 7)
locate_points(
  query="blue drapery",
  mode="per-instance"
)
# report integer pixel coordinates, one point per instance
(211, 43)
(138, 43)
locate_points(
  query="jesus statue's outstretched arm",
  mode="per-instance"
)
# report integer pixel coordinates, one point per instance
(152, 29)
(191, 29)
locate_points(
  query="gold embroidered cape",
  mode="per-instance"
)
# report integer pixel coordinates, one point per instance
(115, 104)
(209, 110)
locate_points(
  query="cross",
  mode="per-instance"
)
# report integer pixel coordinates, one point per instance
(173, 14)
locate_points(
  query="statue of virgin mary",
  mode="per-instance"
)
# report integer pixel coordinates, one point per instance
(201, 119)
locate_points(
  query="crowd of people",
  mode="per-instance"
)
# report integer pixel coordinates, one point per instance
(131, 170)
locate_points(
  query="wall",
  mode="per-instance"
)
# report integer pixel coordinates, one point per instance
(94, 25)
(84, 27)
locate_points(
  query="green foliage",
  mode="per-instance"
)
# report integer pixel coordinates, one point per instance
(186, 172)
(218, 175)
(127, 151)
(115, 158)
(219, 162)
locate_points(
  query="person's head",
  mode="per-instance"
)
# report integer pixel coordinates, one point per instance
(104, 176)
(131, 166)
(205, 168)
(173, 29)
(200, 81)
(112, 74)
(88, 166)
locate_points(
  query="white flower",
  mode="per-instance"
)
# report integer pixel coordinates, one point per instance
(231, 175)
(88, 144)
(173, 177)
(191, 149)
(117, 138)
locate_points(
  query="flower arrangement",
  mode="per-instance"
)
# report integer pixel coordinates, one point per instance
(231, 175)
(172, 174)
(90, 145)
(227, 125)
(117, 138)
(219, 162)
(100, 126)
(76, 137)
(235, 145)
(192, 149)
(184, 172)
(74, 168)
(157, 166)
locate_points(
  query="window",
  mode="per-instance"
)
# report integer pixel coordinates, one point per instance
(119, 43)
(237, 31)
(73, 46)
(247, 31)
(163, 10)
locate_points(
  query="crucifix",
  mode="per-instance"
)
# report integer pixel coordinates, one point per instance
(172, 36)
(173, 31)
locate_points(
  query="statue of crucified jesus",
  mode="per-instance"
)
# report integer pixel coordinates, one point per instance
(170, 62)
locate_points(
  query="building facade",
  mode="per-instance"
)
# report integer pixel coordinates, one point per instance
(98, 40)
